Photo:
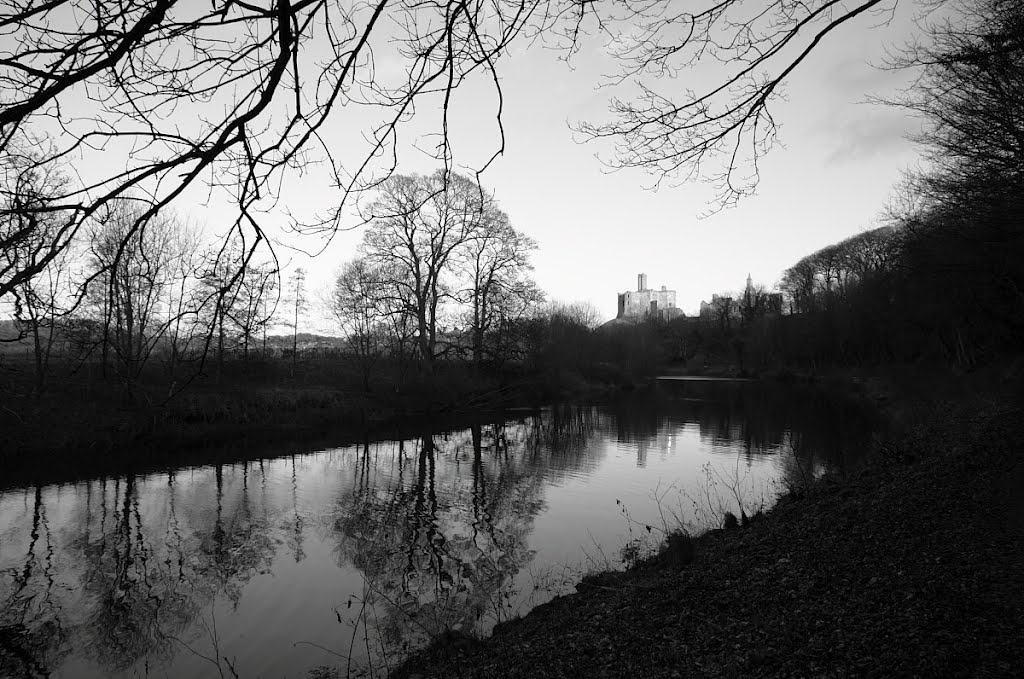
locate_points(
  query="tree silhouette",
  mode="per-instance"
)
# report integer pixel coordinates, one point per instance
(417, 230)
(719, 131)
(231, 95)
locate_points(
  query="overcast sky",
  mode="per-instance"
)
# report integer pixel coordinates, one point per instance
(597, 230)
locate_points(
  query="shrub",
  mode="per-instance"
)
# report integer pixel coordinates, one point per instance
(679, 549)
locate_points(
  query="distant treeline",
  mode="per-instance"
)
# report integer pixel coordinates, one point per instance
(943, 279)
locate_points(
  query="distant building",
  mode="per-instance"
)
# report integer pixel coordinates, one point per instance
(719, 305)
(646, 303)
(751, 303)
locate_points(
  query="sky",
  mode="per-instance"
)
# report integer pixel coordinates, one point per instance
(597, 229)
(829, 178)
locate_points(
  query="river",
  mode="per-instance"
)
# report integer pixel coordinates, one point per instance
(337, 562)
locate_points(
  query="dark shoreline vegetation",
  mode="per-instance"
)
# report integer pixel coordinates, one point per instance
(909, 566)
(245, 417)
(271, 408)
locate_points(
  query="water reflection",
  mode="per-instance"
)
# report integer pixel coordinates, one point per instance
(821, 430)
(350, 556)
(438, 550)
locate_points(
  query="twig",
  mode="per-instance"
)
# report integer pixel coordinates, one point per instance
(322, 648)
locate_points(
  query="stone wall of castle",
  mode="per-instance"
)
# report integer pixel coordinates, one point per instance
(639, 303)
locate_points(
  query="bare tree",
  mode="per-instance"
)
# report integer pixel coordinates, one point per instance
(40, 307)
(232, 95)
(496, 262)
(582, 314)
(511, 307)
(298, 304)
(870, 253)
(184, 295)
(718, 132)
(34, 228)
(964, 224)
(36, 281)
(358, 304)
(725, 311)
(828, 263)
(799, 285)
(130, 270)
(755, 303)
(970, 90)
(417, 227)
(218, 283)
(238, 298)
(254, 305)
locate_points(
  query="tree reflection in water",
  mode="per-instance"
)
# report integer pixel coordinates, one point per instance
(440, 552)
(199, 572)
(131, 585)
(32, 636)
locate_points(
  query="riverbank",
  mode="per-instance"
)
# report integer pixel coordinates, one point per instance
(87, 429)
(911, 566)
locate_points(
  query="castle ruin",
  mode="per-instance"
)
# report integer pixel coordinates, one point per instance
(646, 303)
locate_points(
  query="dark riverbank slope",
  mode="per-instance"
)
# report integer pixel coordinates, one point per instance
(910, 567)
(82, 429)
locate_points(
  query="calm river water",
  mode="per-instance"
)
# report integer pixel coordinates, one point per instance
(345, 558)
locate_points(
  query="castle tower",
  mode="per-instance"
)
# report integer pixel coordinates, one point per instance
(647, 302)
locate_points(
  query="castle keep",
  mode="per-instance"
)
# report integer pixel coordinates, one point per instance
(644, 302)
